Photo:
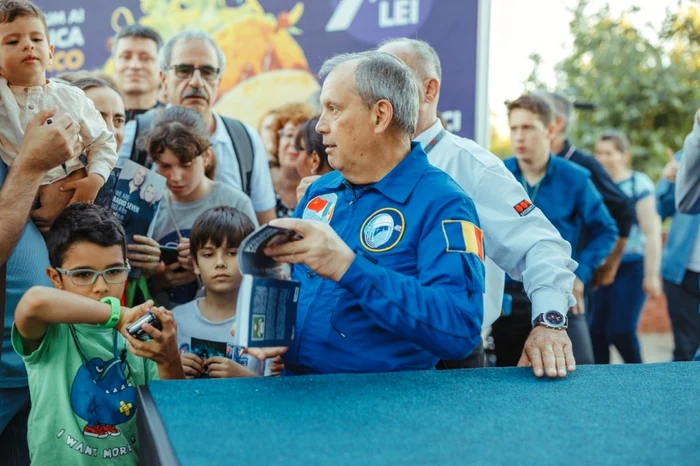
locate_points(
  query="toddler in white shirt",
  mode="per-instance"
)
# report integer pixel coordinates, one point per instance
(25, 53)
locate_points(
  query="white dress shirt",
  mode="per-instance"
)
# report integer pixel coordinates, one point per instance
(19, 104)
(528, 247)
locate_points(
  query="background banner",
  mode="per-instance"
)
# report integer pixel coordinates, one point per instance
(274, 48)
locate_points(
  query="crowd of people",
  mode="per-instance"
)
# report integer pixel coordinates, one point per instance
(412, 243)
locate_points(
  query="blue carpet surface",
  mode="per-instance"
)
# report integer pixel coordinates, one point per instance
(616, 415)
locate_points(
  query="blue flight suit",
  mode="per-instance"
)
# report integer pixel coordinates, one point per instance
(412, 295)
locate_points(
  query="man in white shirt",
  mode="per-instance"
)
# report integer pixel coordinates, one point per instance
(520, 241)
(191, 69)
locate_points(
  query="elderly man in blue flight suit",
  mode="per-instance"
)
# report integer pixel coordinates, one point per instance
(567, 197)
(391, 260)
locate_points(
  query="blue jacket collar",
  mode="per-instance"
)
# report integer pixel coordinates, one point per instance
(550, 166)
(398, 183)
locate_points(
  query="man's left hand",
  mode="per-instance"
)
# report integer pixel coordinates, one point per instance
(548, 351)
(320, 248)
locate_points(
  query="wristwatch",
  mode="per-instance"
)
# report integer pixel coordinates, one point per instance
(116, 307)
(552, 319)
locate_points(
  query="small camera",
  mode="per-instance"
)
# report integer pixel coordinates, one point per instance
(136, 329)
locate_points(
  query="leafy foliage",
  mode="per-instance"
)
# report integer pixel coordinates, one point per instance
(642, 81)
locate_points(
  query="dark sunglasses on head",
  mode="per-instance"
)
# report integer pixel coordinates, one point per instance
(208, 72)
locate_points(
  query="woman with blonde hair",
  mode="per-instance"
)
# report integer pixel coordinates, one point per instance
(285, 177)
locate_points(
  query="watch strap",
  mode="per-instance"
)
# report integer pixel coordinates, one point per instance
(116, 308)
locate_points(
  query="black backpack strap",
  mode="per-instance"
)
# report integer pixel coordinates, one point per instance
(143, 123)
(243, 147)
(3, 296)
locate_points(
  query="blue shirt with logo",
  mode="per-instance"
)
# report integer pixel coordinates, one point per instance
(412, 295)
(567, 197)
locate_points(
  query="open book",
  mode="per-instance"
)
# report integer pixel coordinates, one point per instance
(267, 301)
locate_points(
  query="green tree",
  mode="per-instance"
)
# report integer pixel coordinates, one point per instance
(642, 81)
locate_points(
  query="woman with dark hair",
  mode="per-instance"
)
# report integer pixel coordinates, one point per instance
(178, 143)
(312, 159)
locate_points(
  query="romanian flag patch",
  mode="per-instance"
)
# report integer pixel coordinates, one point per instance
(463, 236)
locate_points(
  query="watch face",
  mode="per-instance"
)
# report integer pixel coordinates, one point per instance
(555, 319)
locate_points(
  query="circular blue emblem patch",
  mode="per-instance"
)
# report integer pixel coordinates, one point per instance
(382, 230)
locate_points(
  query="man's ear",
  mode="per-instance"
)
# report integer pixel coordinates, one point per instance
(432, 90)
(55, 278)
(383, 114)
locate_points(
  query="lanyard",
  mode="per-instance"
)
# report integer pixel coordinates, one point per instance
(569, 153)
(535, 189)
(434, 141)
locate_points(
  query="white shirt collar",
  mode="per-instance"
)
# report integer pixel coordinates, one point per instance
(429, 134)
(220, 134)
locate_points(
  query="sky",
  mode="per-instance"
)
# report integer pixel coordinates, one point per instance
(522, 27)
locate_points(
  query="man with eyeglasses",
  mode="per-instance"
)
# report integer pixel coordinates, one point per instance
(135, 55)
(191, 69)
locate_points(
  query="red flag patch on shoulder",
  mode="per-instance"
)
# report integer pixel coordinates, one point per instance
(524, 207)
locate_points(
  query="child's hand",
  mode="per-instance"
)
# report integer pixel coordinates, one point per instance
(86, 189)
(184, 254)
(224, 368)
(129, 315)
(192, 365)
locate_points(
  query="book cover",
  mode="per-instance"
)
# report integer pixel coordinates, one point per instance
(267, 299)
(133, 192)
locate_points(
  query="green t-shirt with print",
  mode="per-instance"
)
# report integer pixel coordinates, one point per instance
(83, 396)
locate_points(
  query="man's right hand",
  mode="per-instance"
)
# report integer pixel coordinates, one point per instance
(48, 145)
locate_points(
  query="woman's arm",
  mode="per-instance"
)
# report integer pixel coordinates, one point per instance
(650, 224)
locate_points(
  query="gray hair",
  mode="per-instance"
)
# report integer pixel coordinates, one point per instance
(382, 76)
(136, 30)
(189, 35)
(561, 105)
(427, 59)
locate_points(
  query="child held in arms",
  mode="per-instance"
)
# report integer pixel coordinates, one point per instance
(25, 54)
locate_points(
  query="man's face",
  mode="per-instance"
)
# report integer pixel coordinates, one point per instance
(194, 91)
(25, 52)
(139, 176)
(136, 65)
(90, 256)
(528, 135)
(345, 123)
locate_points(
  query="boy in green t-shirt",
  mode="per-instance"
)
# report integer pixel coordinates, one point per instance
(82, 379)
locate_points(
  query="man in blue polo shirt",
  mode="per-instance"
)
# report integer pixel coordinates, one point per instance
(391, 255)
(47, 144)
(566, 195)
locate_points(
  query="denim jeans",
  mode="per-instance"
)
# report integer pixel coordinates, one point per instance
(683, 307)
